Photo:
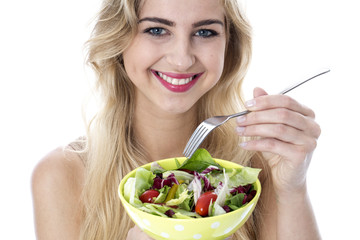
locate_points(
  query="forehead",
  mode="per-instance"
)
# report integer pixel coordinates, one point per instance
(182, 10)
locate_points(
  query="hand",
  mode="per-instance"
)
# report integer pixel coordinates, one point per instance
(287, 135)
(135, 233)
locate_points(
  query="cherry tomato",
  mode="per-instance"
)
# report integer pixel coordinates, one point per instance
(202, 205)
(149, 196)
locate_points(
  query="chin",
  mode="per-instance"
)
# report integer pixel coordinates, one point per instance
(176, 108)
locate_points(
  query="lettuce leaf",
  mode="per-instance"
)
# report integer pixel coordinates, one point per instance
(163, 193)
(180, 175)
(237, 176)
(200, 160)
(244, 176)
(156, 168)
(188, 202)
(180, 199)
(144, 180)
(236, 201)
(216, 209)
(129, 189)
(160, 210)
(134, 187)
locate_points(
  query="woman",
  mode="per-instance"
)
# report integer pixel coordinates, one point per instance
(163, 66)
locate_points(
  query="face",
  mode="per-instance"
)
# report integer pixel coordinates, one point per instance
(177, 54)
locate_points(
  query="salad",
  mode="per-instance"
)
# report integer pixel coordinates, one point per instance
(199, 187)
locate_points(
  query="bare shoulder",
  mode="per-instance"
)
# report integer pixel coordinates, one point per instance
(56, 187)
(59, 164)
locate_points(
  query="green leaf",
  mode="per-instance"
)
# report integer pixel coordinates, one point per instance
(134, 187)
(156, 168)
(129, 188)
(177, 163)
(155, 209)
(144, 180)
(237, 176)
(243, 176)
(200, 160)
(179, 175)
(188, 202)
(160, 210)
(235, 202)
(163, 193)
(181, 198)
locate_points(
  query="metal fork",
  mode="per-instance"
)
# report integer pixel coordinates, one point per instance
(210, 124)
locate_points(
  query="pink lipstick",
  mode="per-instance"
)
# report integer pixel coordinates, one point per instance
(177, 82)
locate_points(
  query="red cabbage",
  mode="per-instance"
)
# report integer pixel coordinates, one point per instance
(169, 181)
(207, 185)
(226, 208)
(240, 189)
(169, 213)
(210, 169)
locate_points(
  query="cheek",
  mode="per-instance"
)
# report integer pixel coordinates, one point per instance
(212, 56)
(215, 64)
(138, 58)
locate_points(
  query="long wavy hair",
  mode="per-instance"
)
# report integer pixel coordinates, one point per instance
(110, 146)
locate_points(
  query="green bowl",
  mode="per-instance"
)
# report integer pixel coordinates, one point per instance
(216, 227)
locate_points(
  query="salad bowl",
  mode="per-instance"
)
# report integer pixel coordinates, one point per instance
(207, 228)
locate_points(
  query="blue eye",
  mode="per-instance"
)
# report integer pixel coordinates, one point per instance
(206, 33)
(155, 31)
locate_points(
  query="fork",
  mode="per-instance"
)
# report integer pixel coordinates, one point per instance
(208, 125)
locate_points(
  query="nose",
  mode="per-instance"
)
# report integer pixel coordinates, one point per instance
(180, 55)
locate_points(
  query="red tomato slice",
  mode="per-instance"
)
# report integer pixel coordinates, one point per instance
(202, 205)
(149, 196)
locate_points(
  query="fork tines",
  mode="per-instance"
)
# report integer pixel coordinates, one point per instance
(195, 140)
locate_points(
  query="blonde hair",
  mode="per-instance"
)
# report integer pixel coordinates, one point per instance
(110, 146)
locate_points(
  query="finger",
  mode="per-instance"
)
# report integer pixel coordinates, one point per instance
(281, 116)
(135, 233)
(259, 92)
(275, 146)
(278, 131)
(278, 101)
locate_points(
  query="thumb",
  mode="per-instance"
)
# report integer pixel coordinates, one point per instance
(259, 92)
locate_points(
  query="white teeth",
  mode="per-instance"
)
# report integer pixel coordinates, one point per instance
(175, 81)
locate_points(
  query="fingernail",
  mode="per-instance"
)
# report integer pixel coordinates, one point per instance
(240, 130)
(243, 144)
(250, 103)
(240, 119)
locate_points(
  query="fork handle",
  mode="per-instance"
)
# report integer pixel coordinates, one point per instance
(286, 90)
(239, 114)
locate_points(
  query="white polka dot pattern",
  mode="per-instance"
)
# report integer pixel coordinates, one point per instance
(215, 225)
(147, 223)
(179, 227)
(197, 236)
(165, 235)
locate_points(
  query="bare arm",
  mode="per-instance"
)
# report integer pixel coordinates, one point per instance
(56, 188)
(288, 217)
(296, 219)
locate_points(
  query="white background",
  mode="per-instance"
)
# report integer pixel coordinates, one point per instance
(43, 82)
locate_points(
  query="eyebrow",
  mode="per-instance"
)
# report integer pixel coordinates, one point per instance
(171, 23)
(207, 22)
(157, 20)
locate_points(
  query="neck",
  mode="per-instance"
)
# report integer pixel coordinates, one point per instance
(163, 135)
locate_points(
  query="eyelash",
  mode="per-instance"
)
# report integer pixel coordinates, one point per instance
(208, 33)
(152, 33)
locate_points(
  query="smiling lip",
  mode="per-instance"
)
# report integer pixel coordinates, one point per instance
(176, 82)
